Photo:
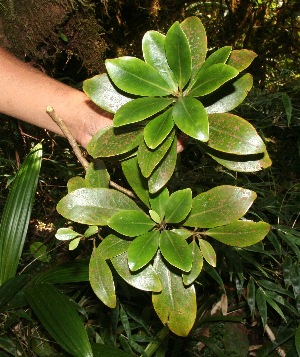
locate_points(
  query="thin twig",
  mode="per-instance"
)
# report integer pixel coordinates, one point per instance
(59, 121)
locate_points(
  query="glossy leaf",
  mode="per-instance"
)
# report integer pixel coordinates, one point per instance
(261, 305)
(133, 175)
(92, 230)
(153, 45)
(183, 232)
(240, 233)
(73, 244)
(134, 76)
(101, 279)
(209, 79)
(176, 304)
(189, 278)
(219, 206)
(229, 96)
(158, 202)
(103, 93)
(94, 206)
(208, 252)
(131, 223)
(16, 214)
(140, 109)
(148, 159)
(112, 141)
(96, 174)
(190, 117)
(178, 206)
(60, 318)
(232, 134)
(147, 279)
(157, 129)
(155, 216)
(142, 250)
(196, 35)
(178, 54)
(112, 245)
(164, 171)
(75, 183)
(275, 306)
(219, 56)
(66, 234)
(241, 59)
(175, 250)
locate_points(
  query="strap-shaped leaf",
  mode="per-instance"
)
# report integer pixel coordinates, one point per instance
(103, 93)
(297, 340)
(10, 288)
(164, 171)
(138, 183)
(153, 45)
(178, 54)
(131, 223)
(146, 279)
(232, 134)
(262, 305)
(175, 250)
(229, 96)
(140, 109)
(101, 279)
(158, 129)
(148, 159)
(190, 277)
(158, 202)
(209, 79)
(208, 252)
(190, 117)
(176, 304)
(241, 59)
(219, 206)
(96, 174)
(134, 76)
(251, 295)
(112, 245)
(142, 250)
(178, 206)
(16, 214)
(196, 35)
(60, 318)
(114, 141)
(94, 206)
(240, 233)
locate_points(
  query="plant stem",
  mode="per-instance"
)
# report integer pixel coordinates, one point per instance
(159, 338)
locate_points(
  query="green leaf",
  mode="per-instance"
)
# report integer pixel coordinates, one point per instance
(131, 223)
(251, 295)
(153, 45)
(39, 251)
(142, 250)
(178, 54)
(178, 206)
(175, 250)
(100, 350)
(92, 230)
(140, 109)
(191, 118)
(189, 278)
(240, 233)
(262, 305)
(112, 141)
(134, 76)
(209, 79)
(10, 288)
(219, 56)
(164, 171)
(96, 174)
(232, 134)
(94, 206)
(158, 202)
(219, 206)
(229, 96)
(212, 272)
(196, 35)
(208, 252)
(275, 306)
(60, 318)
(148, 159)
(112, 245)
(74, 243)
(103, 93)
(138, 183)
(16, 214)
(147, 279)
(101, 279)
(241, 59)
(176, 304)
(297, 340)
(158, 129)
(182, 232)
(75, 183)
(155, 216)
(288, 106)
(66, 234)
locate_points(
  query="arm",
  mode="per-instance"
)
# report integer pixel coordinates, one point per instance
(26, 92)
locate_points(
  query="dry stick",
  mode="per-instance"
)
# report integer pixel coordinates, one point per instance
(52, 114)
(271, 336)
